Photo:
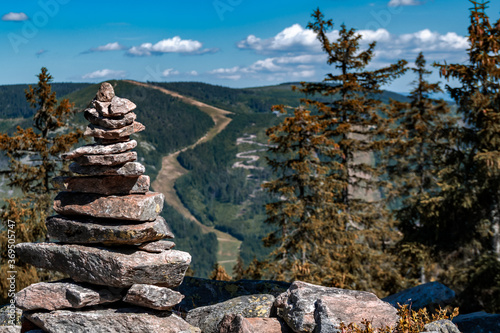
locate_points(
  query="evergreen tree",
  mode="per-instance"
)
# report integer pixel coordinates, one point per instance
(301, 197)
(418, 143)
(356, 120)
(467, 210)
(34, 160)
(219, 274)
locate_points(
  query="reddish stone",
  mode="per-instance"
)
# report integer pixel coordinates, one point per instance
(135, 207)
(107, 160)
(158, 246)
(117, 133)
(153, 297)
(101, 149)
(103, 184)
(129, 169)
(105, 92)
(94, 117)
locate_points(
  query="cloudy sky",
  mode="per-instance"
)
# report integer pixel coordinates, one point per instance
(235, 43)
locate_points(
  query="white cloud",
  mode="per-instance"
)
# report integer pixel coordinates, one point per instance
(109, 47)
(170, 45)
(193, 73)
(15, 17)
(293, 38)
(104, 73)
(397, 3)
(169, 72)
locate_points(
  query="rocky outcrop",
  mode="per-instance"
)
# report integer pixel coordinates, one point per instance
(297, 307)
(208, 317)
(108, 237)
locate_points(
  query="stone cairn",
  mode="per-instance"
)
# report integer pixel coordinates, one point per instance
(108, 237)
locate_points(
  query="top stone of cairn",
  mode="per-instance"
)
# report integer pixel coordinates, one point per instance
(105, 93)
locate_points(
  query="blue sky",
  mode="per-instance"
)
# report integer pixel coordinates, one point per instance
(235, 43)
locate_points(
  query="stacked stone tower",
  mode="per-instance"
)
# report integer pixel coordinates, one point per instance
(108, 237)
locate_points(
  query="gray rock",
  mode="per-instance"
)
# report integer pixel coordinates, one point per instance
(208, 317)
(107, 160)
(130, 169)
(153, 297)
(297, 306)
(107, 232)
(10, 329)
(203, 292)
(425, 295)
(442, 326)
(478, 322)
(101, 149)
(137, 320)
(105, 92)
(157, 246)
(134, 207)
(117, 133)
(120, 106)
(115, 267)
(64, 294)
(107, 185)
(95, 118)
(323, 322)
(101, 107)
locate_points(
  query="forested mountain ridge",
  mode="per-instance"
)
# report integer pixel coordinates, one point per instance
(223, 189)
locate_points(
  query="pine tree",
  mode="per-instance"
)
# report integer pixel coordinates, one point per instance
(418, 142)
(301, 199)
(219, 274)
(467, 210)
(34, 160)
(356, 120)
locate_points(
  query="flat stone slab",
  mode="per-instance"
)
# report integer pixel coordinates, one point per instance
(129, 169)
(107, 160)
(95, 118)
(108, 232)
(100, 149)
(153, 297)
(64, 294)
(158, 246)
(122, 320)
(120, 106)
(117, 133)
(134, 207)
(103, 184)
(111, 141)
(114, 267)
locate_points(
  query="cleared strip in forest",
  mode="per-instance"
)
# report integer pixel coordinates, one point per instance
(171, 170)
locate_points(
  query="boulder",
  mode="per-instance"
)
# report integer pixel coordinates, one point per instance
(430, 294)
(157, 246)
(208, 317)
(203, 292)
(100, 149)
(110, 133)
(298, 304)
(105, 231)
(129, 169)
(441, 326)
(235, 323)
(64, 294)
(153, 297)
(103, 184)
(115, 267)
(105, 92)
(478, 322)
(107, 160)
(135, 207)
(111, 320)
(95, 118)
